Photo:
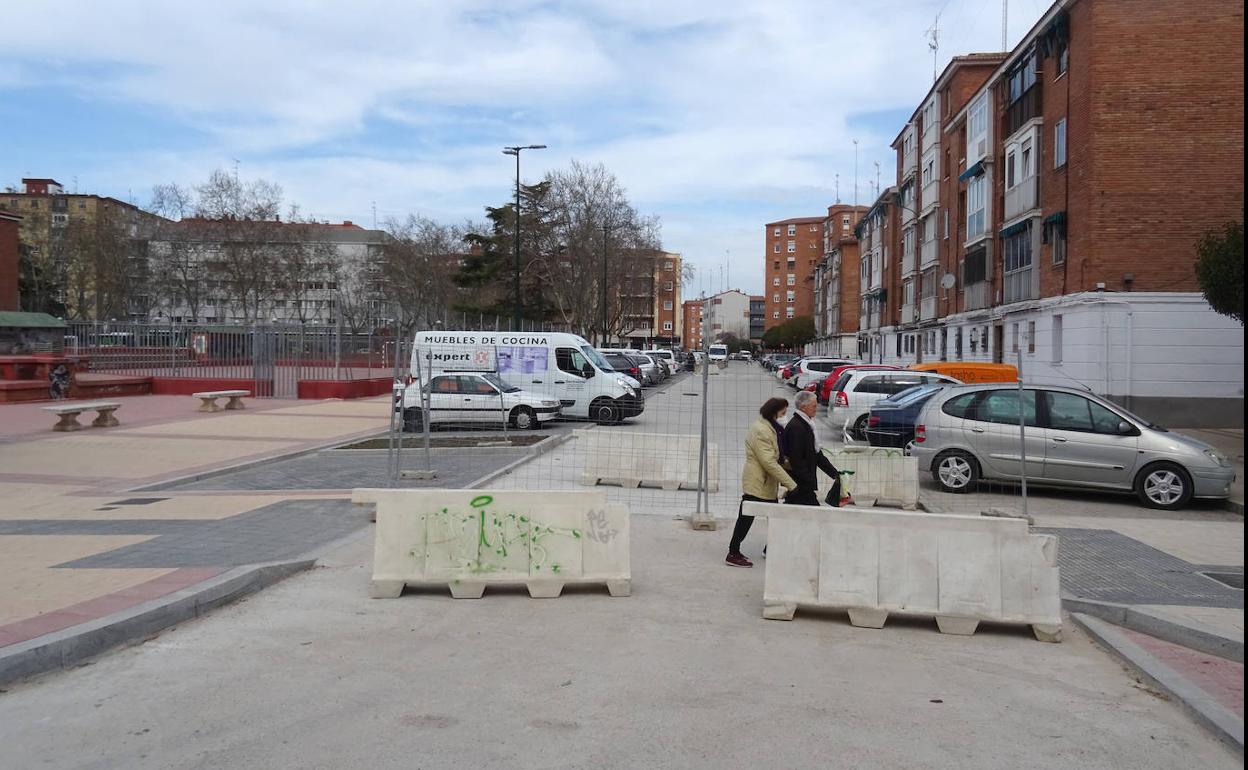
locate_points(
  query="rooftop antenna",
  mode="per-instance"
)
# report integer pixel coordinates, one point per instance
(855, 172)
(75, 184)
(838, 188)
(728, 265)
(933, 43)
(374, 215)
(1005, 19)
(877, 179)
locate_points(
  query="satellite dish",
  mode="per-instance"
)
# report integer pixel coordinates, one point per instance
(948, 280)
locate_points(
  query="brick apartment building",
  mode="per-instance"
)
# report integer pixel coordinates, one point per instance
(691, 315)
(1049, 201)
(758, 317)
(651, 301)
(836, 283)
(10, 225)
(793, 248)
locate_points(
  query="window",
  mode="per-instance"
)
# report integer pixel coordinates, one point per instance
(792, 229)
(1031, 336)
(775, 281)
(1068, 411)
(775, 314)
(445, 384)
(790, 295)
(667, 304)
(1001, 406)
(1014, 336)
(1056, 341)
(775, 265)
(1011, 177)
(1057, 233)
(82, 205)
(667, 326)
(977, 130)
(975, 267)
(776, 232)
(929, 283)
(788, 312)
(570, 360)
(1017, 252)
(960, 406)
(1023, 77)
(667, 266)
(845, 222)
(792, 279)
(1063, 59)
(667, 286)
(946, 217)
(957, 343)
(792, 246)
(775, 248)
(907, 294)
(1059, 143)
(775, 297)
(814, 228)
(977, 206)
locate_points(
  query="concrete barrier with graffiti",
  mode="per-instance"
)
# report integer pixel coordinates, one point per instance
(959, 569)
(665, 460)
(468, 539)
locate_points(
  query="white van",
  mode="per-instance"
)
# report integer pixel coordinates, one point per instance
(718, 353)
(552, 364)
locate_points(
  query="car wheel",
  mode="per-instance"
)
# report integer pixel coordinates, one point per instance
(523, 418)
(413, 420)
(955, 472)
(860, 428)
(604, 412)
(1164, 486)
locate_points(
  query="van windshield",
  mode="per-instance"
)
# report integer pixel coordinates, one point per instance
(596, 358)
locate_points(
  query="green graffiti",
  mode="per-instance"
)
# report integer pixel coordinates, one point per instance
(501, 536)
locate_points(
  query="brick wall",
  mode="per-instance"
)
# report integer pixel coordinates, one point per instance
(9, 299)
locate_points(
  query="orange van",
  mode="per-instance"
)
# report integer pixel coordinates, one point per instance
(971, 371)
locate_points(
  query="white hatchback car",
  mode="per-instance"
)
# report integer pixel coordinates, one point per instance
(813, 370)
(475, 398)
(857, 390)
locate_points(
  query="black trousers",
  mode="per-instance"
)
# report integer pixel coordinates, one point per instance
(744, 523)
(801, 496)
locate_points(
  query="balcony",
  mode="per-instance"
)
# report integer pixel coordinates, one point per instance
(928, 254)
(907, 262)
(862, 322)
(907, 314)
(927, 309)
(1020, 285)
(907, 210)
(909, 164)
(1022, 197)
(977, 296)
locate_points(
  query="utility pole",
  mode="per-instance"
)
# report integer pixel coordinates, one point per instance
(516, 311)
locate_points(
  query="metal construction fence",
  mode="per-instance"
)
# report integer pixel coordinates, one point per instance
(272, 357)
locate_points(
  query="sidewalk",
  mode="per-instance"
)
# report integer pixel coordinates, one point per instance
(78, 542)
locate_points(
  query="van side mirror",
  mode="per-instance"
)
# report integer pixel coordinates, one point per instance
(587, 371)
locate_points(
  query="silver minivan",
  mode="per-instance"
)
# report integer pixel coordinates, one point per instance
(1072, 439)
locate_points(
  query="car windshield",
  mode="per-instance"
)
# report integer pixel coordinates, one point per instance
(494, 380)
(596, 358)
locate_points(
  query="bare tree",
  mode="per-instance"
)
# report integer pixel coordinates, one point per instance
(419, 262)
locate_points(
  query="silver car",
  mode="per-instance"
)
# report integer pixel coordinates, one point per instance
(649, 369)
(1072, 439)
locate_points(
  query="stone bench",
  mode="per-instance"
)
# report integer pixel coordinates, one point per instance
(958, 569)
(209, 398)
(469, 539)
(69, 414)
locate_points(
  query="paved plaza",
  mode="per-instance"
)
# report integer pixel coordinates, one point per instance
(685, 673)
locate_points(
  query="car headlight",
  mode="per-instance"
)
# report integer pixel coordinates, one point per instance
(550, 403)
(1218, 458)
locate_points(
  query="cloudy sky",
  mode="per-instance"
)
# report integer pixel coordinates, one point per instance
(717, 116)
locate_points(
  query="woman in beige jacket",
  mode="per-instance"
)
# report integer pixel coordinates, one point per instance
(763, 473)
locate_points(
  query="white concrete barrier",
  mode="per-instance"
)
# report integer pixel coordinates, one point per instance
(665, 460)
(885, 476)
(468, 539)
(960, 569)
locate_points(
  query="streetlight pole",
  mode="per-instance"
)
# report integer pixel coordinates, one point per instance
(516, 235)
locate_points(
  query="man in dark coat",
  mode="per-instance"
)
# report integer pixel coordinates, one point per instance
(804, 457)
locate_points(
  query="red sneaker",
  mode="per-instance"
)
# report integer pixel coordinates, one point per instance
(738, 560)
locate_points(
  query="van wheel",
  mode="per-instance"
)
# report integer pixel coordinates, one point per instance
(604, 412)
(860, 428)
(413, 420)
(523, 418)
(956, 471)
(1164, 486)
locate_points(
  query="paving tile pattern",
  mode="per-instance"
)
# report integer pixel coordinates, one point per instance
(283, 530)
(1104, 565)
(350, 468)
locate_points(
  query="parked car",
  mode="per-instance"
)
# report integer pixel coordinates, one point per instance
(824, 390)
(475, 398)
(746, 355)
(1072, 439)
(649, 369)
(858, 390)
(814, 370)
(664, 357)
(891, 421)
(621, 363)
(785, 371)
(779, 360)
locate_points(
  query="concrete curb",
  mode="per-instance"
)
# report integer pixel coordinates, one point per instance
(1234, 506)
(1186, 633)
(1214, 716)
(534, 452)
(71, 646)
